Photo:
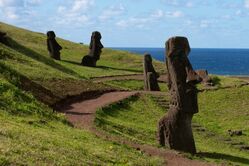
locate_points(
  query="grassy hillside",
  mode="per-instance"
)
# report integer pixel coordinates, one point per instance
(27, 56)
(32, 133)
(136, 119)
(33, 45)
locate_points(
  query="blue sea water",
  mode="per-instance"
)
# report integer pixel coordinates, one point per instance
(216, 61)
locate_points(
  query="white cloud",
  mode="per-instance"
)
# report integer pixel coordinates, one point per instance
(11, 3)
(81, 5)
(33, 2)
(17, 9)
(175, 14)
(75, 12)
(179, 3)
(246, 4)
(141, 22)
(112, 12)
(11, 13)
(157, 14)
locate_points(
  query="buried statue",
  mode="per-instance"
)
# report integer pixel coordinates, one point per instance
(150, 75)
(174, 129)
(95, 50)
(52, 46)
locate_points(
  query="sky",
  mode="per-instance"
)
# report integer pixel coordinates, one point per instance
(135, 23)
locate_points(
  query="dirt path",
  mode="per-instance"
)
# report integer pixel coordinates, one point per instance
(162, 78)
(82, 115)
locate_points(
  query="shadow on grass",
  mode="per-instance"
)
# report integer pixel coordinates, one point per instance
(225, 157)
(104, 67)
(72, 62)
(114, 109)
(38, 57)
(113, 68)
(216, 80)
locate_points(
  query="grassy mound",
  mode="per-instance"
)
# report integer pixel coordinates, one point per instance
(136, 119)
(32, 133)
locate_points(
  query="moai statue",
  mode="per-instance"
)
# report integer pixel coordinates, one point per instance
(3, 38)
(174, 129)
(95, 50)
(206, 79)
(52, 45)
(150, 75)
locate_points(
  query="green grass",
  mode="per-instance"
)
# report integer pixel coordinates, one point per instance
(136, 119)
(133, 85)
(223, 82)
(33, 46)
(27, 56)
(31, 133)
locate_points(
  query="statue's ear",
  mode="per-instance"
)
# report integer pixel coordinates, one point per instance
(192, 77)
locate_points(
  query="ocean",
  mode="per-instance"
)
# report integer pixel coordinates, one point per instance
(216, 61)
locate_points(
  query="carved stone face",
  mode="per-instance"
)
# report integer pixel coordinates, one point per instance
(96, 35)
(177, 45)
(51, 34)
(147, 58)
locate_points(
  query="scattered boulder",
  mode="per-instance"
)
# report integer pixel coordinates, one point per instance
(206, 80)
(52, 46)
(3, 38)
(150, 75)
(235, 132)
(174, 129)
(95, 50)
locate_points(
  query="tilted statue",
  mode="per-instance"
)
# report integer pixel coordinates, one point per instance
(174, 129)
(150, 75)
(95, 50)
(52, 46)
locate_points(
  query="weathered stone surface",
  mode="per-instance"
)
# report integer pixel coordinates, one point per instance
(205, 77)
(174, 129)
(52, 46)
(150, 75)
(3, 38)
(95, 50)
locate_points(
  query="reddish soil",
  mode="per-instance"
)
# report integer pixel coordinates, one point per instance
(82, 114)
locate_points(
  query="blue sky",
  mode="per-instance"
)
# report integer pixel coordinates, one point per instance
(136, 23)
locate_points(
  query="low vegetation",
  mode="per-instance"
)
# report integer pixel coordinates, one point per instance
(31, 132)
(219, 111)
(132, 85)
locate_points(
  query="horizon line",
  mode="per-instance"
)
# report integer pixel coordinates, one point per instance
(191, 48)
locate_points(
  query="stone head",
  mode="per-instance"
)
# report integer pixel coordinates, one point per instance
(147, 58)
(96, 35)
(177, 45)
(51, 34)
